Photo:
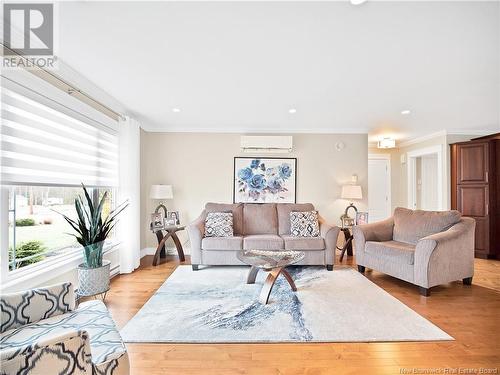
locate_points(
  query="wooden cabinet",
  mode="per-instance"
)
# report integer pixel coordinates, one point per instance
(475, 182)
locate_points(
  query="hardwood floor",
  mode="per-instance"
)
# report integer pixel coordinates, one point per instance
(471, 314)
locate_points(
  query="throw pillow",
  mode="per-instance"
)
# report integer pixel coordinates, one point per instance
(304, 223)
(219, 224)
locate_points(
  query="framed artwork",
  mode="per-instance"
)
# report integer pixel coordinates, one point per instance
(157, 220)
(264, 180)
(361, 218)
(347, 222)
(173, 218)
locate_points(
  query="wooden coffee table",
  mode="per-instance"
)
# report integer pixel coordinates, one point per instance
(273, 262)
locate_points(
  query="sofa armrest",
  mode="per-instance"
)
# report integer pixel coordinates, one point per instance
(68, 353)
(446, 256)
(32, 305)
(378, 231)
(196, 231)
(330, 234)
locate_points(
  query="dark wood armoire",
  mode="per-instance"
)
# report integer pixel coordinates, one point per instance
(475, 183)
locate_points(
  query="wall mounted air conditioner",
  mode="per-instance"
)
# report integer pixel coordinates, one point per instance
(267, 143)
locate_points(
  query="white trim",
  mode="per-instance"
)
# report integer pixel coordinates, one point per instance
(148, 251)
(423, 138)
(386, 157)
(251, 131)
(411, 162)
(46, 270)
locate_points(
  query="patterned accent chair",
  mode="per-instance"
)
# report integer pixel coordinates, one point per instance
(43, 333)
(425, 248)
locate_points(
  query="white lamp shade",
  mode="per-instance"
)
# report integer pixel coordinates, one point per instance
(351, 192)
(161, 192)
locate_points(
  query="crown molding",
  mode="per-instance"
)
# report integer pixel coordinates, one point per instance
(422, 138)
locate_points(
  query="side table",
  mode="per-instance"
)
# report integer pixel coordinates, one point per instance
(348, 243)
(169, 232)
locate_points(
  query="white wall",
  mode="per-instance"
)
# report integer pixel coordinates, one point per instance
(200, 168)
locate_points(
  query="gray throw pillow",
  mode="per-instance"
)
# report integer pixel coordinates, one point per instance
(219, 224)
(304, 223)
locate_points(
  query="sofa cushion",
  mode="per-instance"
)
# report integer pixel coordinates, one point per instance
(284, 210)
(219, 224)
(260, 218)
(304, 223)
(222, 243)
(303, 243)
(412, 225)
(263, 242)
(92, 316)
(236, 209)
(392, 251)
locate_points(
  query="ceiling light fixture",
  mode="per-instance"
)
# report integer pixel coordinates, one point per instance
(358, 2)
(406, 112)
(176, 110)
(292, 110)
(386, 142)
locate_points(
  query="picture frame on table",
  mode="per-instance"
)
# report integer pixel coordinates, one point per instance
(347, 222)
(361, 218)
(157, 221)
(173, 218)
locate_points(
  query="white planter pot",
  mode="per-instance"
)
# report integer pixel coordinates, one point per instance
(92, 281)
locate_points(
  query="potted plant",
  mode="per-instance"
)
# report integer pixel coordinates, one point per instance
(91, 232)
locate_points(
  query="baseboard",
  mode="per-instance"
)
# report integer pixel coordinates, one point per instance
(148, 251)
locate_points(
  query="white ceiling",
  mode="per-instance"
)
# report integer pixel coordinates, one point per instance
(240, 66)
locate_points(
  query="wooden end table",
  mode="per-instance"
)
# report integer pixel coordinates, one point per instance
(169, 232)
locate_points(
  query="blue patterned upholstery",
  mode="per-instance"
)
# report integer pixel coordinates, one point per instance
(81, 341)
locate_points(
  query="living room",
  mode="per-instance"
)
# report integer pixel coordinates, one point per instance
(250, 187)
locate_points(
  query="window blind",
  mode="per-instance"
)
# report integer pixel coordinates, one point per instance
(46, 143)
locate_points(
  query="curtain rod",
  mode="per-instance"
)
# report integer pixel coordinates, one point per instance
(65, 86)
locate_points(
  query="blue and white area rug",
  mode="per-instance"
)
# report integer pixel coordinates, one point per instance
(215, 305)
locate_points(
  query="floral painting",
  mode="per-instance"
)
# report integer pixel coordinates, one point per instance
(264, 180)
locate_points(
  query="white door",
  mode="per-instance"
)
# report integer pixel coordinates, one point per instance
(379, 189)
(429, 183)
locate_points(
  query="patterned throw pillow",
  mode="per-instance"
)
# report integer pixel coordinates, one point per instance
(304, 223)
(219, 224)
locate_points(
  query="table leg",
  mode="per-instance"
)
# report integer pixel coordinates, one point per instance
(159, 236)
(159, 249)
(346, 248)
(268, 285)
(289, 279)
(252, 274)
(178, 245)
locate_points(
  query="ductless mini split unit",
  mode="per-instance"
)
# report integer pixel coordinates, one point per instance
(267, 143)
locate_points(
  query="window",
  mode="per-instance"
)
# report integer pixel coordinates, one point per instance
(49, 145)
(36, 229)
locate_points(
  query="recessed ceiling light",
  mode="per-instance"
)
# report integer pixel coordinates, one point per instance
(358, 2)
(292, 110)
(406, 112)
(176, 110)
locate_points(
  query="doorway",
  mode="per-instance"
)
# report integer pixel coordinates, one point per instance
(425, 179)
(379, 187)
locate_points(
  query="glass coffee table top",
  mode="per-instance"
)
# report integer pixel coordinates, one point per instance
(268, 259)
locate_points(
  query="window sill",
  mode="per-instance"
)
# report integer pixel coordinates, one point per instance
(50, 268)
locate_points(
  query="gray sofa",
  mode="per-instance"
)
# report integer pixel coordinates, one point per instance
(426, 248)
(259, 226)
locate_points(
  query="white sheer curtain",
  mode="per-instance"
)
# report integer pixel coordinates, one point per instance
(128, 230)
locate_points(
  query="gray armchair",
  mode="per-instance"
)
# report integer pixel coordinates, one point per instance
(425, 248)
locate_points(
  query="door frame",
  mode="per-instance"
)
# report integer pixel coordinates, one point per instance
(411, 158)
(386, 157)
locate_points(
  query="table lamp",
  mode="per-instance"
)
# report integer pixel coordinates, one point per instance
(161, 192)
(351, 192)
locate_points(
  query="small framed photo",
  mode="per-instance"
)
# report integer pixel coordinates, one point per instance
(173, 218)
(361, 218)
(347, 222)
(157, 220)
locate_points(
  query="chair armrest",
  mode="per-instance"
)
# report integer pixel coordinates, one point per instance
(68, 352)
(33, 305)
(444, 255)
(196, 231)
(378, 231)
(330, 234)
